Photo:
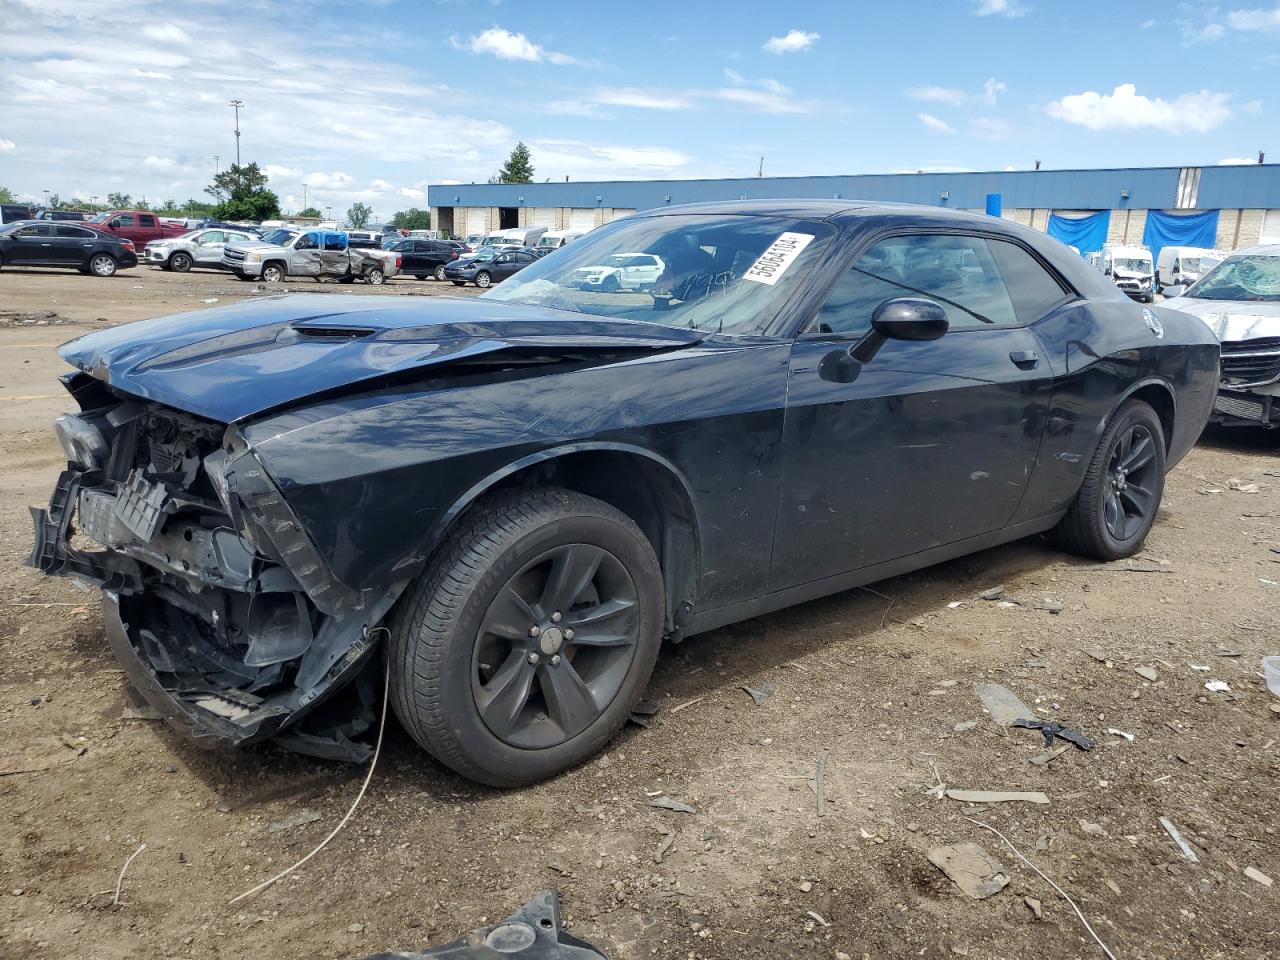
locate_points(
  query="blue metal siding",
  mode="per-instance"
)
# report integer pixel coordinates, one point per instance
(1152, 188)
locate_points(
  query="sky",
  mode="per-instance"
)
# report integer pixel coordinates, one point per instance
(372, 100)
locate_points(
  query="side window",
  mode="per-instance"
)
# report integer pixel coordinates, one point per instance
(39, 230)
(306, 242)
(334, 241)
(78, 233)
(213, 236)
(124, 220)
(146, 220)
(1034, 290)
(957, 271)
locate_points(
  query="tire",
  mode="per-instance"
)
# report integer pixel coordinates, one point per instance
(419, 276)
(459, 283)
(180, 262)
(483, 280)
(1091, 528)
(103, 265)
(245, 277)
(272, 273)
(374, 276)
(438, 273)
(444, 663)
(611, 285)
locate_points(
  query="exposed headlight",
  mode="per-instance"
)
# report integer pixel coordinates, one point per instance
(83, 443)
(253, 256)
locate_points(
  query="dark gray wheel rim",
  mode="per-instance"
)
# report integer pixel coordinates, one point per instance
(181, 262)
(103, 265)
(1131, 482)
(555, 646)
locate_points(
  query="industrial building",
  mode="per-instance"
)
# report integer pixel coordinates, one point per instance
(1232, 206)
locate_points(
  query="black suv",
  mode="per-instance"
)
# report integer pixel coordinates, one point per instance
(425, 258)
(13, 212)
(41, 243)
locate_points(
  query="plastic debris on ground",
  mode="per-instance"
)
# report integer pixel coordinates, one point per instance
(978, 874)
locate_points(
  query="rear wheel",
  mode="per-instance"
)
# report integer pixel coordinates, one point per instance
(525, 644)
(374, 276)
(439, 272)
(180, 262)
(459, 283)
(1117, 503)
(419, 276)
(103, 265)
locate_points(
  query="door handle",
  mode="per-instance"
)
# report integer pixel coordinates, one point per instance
(1024, 359)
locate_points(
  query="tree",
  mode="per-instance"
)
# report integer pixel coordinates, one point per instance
(119, 201)
(310, 212)
(358, 215)
(412, 219)
(242, 194)
(6, 195)
(519, 166)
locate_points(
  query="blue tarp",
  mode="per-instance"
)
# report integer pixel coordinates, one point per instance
(1180, 230)
(1086, 234)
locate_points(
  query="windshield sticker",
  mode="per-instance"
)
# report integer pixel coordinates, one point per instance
(773, 263)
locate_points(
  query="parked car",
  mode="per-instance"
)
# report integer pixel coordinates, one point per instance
(78, 216)
(317, 253)
(555, 239)
(1131, 270)
(1240, 301)
(41, 243)
(199, 248)
(488, 266)
(425, 258)
(1184, 265)
(13, 212)
(518, 496)
(138, 226)
(620, 271)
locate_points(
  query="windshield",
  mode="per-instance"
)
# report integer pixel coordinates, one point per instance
(1241, 278)
(709, 272)
(485, 253)
(279, 237)
(1133, 265)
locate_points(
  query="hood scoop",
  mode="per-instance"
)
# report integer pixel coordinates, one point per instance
(293, 334)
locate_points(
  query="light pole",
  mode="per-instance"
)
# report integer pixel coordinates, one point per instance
(304, 196)
(328, 211)
(46, 198)
(237, 104)
(217, 165)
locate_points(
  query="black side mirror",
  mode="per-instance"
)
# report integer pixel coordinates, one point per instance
(903, 318)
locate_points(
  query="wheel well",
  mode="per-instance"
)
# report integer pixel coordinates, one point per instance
(1160, 400)
(648, 493)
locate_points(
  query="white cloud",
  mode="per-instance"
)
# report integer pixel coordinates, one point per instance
(1237, 161)
(954, 97)
(795, 41)
(765, 101)
(584, 161)
(992, 89)
(1125, 109)
(1148, 24)
(506, 45)
(276, 172)
(166, 33)
(336, 180)
(158, 163)
(998, 8)
(643, 98)
(936, 124)
(7, 146)
(1255, 20)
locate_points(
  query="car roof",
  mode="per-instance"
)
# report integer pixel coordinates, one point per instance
(1262, 250)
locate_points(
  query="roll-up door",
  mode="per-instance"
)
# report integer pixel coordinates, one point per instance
(543, 217)
(477, 220)
(582, 218)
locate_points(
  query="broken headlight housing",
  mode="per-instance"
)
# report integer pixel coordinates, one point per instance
(82, 442)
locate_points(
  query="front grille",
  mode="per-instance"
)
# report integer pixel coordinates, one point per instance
(233, 255)
(1251, 362)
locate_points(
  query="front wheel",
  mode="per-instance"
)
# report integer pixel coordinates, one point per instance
(272, 273)
(103, 265)
(524, 645)
(1117, 503)
(439, 272)
(483, 279)
(180, 262)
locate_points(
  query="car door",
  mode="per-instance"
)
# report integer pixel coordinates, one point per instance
(304, 259)
(148, 230)
(32, 244)
(125, 226)
(207, 247)
(929, 443)
(72, 245)
(519, 260)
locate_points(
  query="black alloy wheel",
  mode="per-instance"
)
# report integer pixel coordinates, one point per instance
(180, 262)
(1132, 491)
(555, 646)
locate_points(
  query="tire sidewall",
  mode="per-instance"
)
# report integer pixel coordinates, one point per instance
(104, 257)
(1133, 412)
(500, 763)
(180, 263)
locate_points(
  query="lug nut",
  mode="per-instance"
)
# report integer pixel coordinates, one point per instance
(535, 630)
(555, 617)
(533, 658)
(568, 634)
(555, 661)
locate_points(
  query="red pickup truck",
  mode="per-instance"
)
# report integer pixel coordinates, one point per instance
(139, 226)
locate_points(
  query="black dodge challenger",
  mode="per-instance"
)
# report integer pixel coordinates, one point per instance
(517, 497)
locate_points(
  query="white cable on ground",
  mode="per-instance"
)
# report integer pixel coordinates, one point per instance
(1062, 893)
(373, 763)
(120, 880)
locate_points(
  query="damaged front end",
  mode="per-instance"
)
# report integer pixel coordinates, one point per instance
(215, 602)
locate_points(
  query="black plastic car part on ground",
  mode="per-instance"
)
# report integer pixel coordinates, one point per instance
(44, 243)
(531, 933)
(519, 496)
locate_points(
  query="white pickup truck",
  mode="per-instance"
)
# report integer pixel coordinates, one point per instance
(288, 252)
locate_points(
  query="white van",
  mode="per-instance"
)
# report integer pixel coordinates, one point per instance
(1184, 265)
(555, 239)
(1131, 269)
(515, 237)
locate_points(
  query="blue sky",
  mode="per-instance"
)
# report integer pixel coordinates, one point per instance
(373, 99)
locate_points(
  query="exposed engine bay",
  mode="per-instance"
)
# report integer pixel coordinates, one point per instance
(215, 601)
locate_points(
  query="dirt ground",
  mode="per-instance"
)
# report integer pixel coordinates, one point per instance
(877, 681)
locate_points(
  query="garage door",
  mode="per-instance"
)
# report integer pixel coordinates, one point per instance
(582, 218)
(620, 212)
(477, 221)
(543, 217)
(1270, 227)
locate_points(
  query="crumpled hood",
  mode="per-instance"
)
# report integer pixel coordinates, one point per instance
(1132, 274)
(1233, 320)
(233, 362)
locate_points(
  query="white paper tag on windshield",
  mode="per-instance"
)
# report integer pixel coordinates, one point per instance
(773, 263)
